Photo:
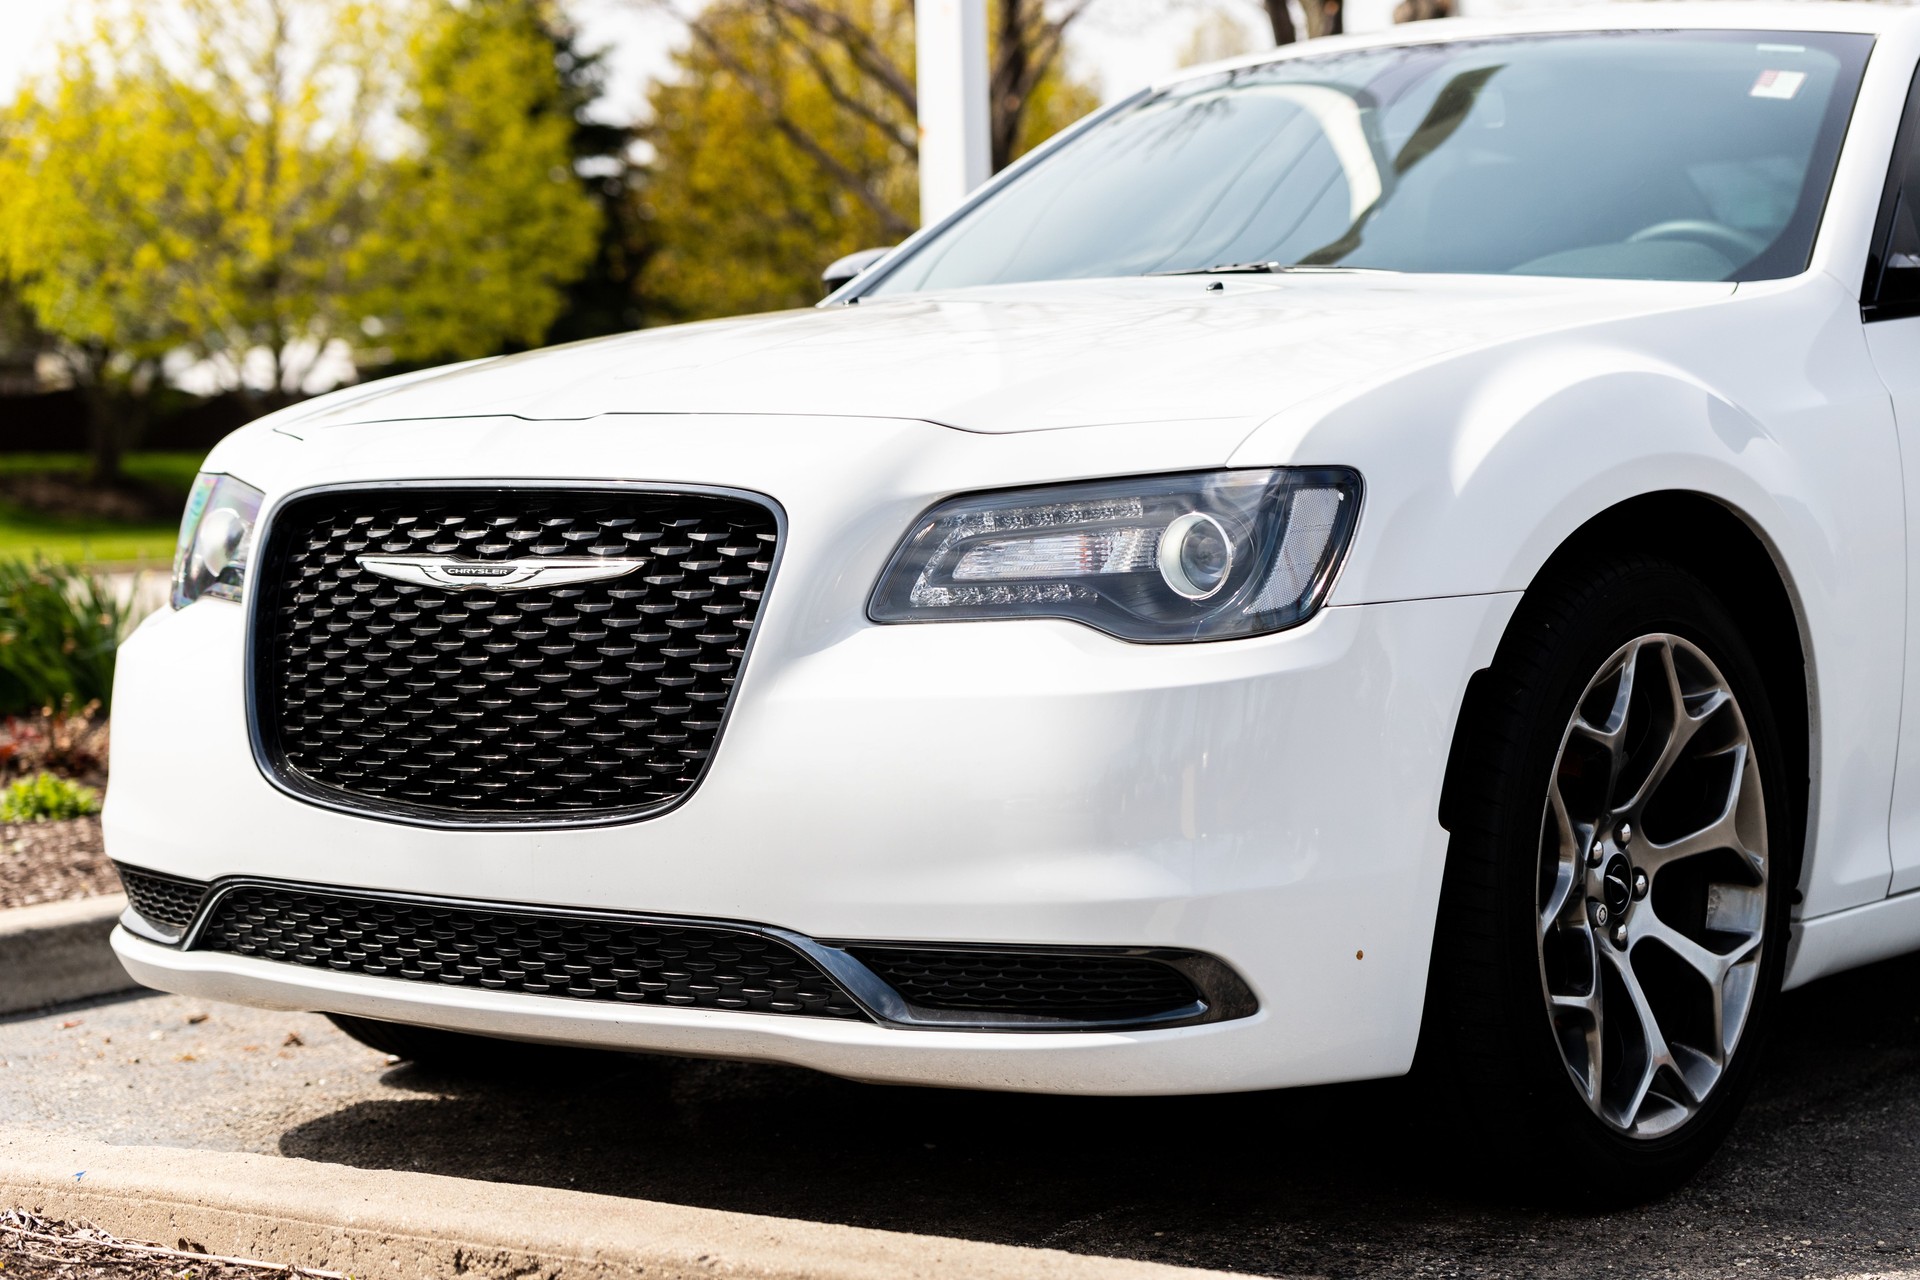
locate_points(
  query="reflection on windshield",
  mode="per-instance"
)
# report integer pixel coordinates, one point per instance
(1344, 127)
(1672, 155)
(1449, 111)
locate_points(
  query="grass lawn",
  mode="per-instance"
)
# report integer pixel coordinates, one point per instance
(25, 533)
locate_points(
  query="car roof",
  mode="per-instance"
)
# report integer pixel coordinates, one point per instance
(1668, 15)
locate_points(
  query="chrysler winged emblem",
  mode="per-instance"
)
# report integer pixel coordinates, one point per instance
(454, 574)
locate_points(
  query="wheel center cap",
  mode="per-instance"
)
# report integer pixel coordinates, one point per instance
(1617, 883)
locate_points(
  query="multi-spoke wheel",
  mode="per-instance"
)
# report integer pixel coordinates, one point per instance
(1653, 885)
(1612, 925)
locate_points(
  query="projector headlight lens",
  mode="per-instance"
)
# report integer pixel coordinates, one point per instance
(1196, 555)
(1203, 556)
(216, 540)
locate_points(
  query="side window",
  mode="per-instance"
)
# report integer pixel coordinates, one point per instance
(1893, 269)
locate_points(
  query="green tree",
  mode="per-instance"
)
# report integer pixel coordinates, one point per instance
(87, 235)
(254, 183)
(761, 173)
(788, 138)
(485, 220)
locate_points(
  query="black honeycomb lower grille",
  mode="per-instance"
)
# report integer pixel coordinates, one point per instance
(168, 902)
(553, 703)
(1092, 987)
(679, 962)
(577, 958)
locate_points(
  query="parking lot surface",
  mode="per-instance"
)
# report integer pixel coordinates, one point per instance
(1821, 1178)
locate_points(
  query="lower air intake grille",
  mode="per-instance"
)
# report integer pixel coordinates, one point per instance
(411, 659)
(1066, 986)
(578, 958)
(166, 902)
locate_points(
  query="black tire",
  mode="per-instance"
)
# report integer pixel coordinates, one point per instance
(1490, 1048)
(433, 1047)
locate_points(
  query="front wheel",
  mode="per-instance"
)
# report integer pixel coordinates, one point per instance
(440, 1050)
(1613, 925)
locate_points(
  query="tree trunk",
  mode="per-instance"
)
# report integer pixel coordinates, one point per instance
(1282, 19)
(87, 366)
(1324, 18)
(1007, 105)
(117, 412)
(106, 434)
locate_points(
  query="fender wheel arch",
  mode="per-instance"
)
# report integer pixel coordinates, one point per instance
(1722, 548)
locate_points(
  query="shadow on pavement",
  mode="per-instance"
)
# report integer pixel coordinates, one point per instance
(1821, 1177)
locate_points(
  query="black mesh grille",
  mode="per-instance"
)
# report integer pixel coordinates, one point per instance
(577, 958)
(166, 901)
(1016, 982)
(568, 701)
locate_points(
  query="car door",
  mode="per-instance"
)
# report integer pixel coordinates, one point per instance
(1890, 305)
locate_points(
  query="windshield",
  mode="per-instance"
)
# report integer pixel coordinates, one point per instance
(1652, 155)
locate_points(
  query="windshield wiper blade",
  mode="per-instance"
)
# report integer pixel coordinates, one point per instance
(1228, 269)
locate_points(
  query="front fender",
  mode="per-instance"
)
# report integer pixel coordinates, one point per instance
(1479, 468)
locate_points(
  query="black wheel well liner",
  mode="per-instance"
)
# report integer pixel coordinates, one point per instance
(1721, 548)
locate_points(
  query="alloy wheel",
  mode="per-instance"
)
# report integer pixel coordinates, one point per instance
(1652, 901)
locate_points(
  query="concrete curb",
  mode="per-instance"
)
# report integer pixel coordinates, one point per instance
(58, 952)
(381, 1223)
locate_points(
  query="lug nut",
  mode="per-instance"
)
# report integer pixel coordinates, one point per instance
(1620, 936)
(1626, 833)
(1598, 910)
(1640, 885)
(1596, 854)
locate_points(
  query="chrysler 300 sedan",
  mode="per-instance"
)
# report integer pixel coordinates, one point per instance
(1394, 545)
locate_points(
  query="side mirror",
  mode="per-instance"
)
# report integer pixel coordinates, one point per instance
(850, 266)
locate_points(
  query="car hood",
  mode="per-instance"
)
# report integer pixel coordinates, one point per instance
(1021, 358)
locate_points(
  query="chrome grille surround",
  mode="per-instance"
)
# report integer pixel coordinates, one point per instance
(544, 706)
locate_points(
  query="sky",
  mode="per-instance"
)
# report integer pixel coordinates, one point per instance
(1122, 44)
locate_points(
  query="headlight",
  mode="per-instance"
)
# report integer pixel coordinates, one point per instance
(1205, 556)
(216, 537)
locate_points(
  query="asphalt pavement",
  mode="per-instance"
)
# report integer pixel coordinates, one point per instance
(1821, 1178)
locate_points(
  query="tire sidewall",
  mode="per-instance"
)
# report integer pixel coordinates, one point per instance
(1647, 598)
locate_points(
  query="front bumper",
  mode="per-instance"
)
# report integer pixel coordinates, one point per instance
(1270, 802)
(1187, 1059)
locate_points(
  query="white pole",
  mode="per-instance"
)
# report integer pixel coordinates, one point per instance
(951, 36)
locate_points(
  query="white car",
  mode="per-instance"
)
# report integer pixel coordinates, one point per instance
(1394, 545)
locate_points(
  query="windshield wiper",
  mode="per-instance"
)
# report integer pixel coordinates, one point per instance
(1228, 269)
(1277, 269)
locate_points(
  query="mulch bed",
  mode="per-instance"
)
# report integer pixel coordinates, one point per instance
(53, 861)
(31, 1245)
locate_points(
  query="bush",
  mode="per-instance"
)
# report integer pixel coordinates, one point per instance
(70, 741)
(47, 797)
(59, 630)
